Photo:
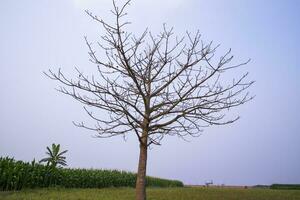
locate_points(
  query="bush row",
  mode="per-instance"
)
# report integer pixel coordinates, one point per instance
(15, 175)
(285, 186)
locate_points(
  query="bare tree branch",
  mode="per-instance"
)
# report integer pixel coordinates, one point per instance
(167, 86)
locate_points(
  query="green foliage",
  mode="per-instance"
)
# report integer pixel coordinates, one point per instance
(15, 175)
(55, 157)
(158, 182)
(286, 186)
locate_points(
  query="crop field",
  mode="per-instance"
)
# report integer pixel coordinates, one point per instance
(184, 193)
(17, 175)
(32, 181)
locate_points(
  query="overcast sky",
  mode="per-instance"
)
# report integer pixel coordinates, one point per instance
(261, 148)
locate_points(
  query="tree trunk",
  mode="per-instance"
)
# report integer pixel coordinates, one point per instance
(141, 175)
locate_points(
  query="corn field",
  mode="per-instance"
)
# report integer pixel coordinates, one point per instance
(15, 175)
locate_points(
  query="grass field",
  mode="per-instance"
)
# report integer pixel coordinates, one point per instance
(153, 194)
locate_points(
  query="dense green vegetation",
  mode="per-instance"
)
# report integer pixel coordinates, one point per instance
(153, 194)
(15, 175)
(286, 186)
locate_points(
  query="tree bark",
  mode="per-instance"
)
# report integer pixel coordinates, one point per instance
(141, 175)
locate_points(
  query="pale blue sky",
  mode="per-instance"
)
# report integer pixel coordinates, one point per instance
(261, 148)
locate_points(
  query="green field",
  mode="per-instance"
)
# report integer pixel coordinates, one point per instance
(153, 194)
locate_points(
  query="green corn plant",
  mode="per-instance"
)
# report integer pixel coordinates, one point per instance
(16, 175)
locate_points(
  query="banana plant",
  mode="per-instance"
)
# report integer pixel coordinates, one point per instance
(55, 157)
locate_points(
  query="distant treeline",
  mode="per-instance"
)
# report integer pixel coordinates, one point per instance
(285, 186)
(261, 186)
(15, 175)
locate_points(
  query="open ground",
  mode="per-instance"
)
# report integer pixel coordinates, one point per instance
(189, 193)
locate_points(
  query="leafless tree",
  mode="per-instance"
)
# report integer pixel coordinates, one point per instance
(154, 86)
